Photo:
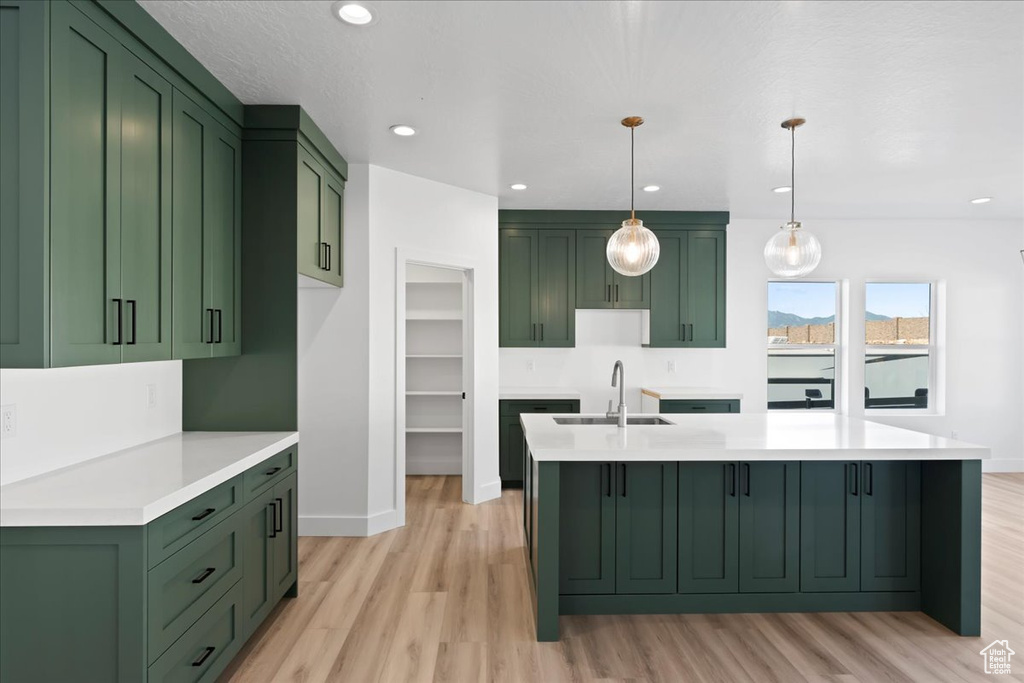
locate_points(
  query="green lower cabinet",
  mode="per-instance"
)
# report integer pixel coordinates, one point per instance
(769, 527)
(284, 546)
(645, 527)
(830, 538)
(511, 444)
(890, 519)
(692, 406)
(708, 527)
(587, 533)
(257, 526)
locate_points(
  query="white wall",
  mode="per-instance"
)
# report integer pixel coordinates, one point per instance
(984, 281)
(347, 348)
(68, 415)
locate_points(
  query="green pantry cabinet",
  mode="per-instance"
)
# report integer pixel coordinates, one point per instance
(174, 600)
(552, 263)
(105, 146)
(511, 443)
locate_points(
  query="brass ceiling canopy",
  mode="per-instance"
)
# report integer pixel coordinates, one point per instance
(788, 124)
(633, 121)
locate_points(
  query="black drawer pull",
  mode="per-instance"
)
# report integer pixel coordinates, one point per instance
(698, 407)
(869, 476)
(732, 480)
(608, 490)
(623, 480)
(204, 514)
(538, 409)
(853, 477)
(207, 651)
(273, 519)
(272, 471)
(279, 521)
(746, 486)
(205, 575)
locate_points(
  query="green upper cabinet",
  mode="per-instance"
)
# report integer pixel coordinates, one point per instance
(537, 288)
(688, 290)
(207, 234)
(95, 209)
(309, 174)
(597, 284)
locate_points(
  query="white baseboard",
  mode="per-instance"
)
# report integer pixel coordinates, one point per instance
(421, 465)
(488, 492)
(1002, 465)
(347, 525)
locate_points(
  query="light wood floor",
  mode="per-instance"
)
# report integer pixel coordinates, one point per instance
(446, 599)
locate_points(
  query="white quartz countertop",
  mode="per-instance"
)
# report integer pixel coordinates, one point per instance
(750, 436)
(137, 485)
(691, 393)
(546, 393)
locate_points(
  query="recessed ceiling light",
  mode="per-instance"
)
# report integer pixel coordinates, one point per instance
(981, 200)
(782, 190)
(354, 13)
(518, 186)
(652, 188)
(403, 130)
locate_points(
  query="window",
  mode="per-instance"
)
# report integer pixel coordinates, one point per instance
(898, 340)
(802, 346)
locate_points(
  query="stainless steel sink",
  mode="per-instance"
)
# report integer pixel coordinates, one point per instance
(610, 421)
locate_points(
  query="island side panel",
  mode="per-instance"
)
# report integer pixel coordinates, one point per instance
(545, 551)
(951, 544)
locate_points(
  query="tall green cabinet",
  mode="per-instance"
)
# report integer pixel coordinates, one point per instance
(537, 288)
(688, 289)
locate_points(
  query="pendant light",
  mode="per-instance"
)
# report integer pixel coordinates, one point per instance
(792, 252)
(633, 249)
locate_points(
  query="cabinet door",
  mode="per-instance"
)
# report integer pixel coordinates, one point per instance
(517, 266)
(284, 545)
(312, 255)
(705, 289)
(556, 291)
(593, 274)
(890, 526)
(645, 527)
(192, 327)
(769, 527)
(668, 284)
(258, 560)
(829, 527)
(333, 230)
(510, 450)
(708, 527)
(631, 292)
(222, 212)
(587, 528)
(86, 310)
(145, 212)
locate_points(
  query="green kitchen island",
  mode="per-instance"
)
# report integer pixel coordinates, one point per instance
(750, 513)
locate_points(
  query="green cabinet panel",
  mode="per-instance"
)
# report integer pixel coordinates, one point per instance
(587, 519)
(285, 536)
(270, 472)
(668, 287)
(222, 208)
(511, 444)
(87, 310)
(556, 293)
(312, 256)
(890, 526)
(258, 518)
(688, 290)
(173, 530)
(518, 285)
(597, 284)
(830, 527)
(333, 230)
(145, 212)
(769, 527)
(708, 527)
(690, 406)
(645, 527)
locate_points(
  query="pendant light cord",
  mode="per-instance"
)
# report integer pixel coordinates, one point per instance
(792, 175)
(632, 183)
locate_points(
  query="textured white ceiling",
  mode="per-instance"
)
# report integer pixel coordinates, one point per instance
(913, 108)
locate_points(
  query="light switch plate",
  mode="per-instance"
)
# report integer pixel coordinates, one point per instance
(151, 395)
(530, 366)
(672, 367)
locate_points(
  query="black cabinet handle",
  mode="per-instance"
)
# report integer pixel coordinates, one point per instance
(209, 339)
(690, 325)
(272, 471)
(220, 325)
(204, 514)
(542, 331)
(696, 408)
(616, 293)
(869, 484)
(205, 575)
(623, 480)
(853, 477)
(279, 522)
(746, 484)
(326, 244)
(131, 303)
(273, 519)
(207, 651)
(533, 332)
(609, 297)
(732, 480)
(120, 322)
(608, 483)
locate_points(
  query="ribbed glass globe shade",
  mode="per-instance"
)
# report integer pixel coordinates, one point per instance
(792, 252)
(633, 249)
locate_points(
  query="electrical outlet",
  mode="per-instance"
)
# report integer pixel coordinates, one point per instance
(8, 421)
(672, 367)
(151, 395)
(530, 366)
(954, 435)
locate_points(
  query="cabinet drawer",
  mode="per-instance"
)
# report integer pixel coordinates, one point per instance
(182, 525)
(517, 407)
(186, 584)
(269, 472)
(700, 406)
(206, 648)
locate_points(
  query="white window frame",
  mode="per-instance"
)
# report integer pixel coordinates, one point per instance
(836, 347)
(936, 394)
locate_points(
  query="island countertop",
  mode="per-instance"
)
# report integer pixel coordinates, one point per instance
(136, 485)
(747, 436)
